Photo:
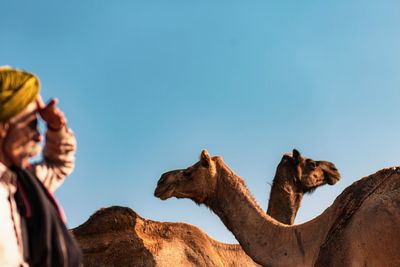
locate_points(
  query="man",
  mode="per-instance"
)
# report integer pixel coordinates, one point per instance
(32, 231)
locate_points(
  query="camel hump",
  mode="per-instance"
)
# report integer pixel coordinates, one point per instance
(353, 196)
(349, 202)
(111, 219)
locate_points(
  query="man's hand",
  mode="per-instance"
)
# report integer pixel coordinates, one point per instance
(22, 139)
(51, 114)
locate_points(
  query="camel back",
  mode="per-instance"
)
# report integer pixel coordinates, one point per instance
(349, 202)
(110, 219)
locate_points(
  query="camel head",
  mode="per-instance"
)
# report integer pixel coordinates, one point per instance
(306, 174)
(196, 182)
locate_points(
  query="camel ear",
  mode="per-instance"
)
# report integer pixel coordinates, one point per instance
(205, 158)
(296, 156)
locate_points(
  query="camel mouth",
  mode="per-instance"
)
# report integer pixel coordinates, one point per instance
(163, 192)
(333, 180)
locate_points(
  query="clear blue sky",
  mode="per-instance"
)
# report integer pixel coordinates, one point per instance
(147, 84)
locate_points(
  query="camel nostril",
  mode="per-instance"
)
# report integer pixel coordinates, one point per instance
(332, 180)
(156, 192)
(162, 180)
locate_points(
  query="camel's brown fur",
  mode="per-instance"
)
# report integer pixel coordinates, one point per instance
(294, 177)
(361, 228)
(349, 202)
(118, 236)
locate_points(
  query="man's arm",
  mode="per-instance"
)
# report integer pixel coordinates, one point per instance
(60, 147)
(58, 158)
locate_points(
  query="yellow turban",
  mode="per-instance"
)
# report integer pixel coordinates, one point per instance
(17, 90)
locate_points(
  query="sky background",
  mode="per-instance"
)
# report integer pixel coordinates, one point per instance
(146, 85)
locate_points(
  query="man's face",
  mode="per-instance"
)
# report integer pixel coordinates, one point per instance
(22, 141)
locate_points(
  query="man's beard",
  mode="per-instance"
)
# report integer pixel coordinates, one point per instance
(30, 150)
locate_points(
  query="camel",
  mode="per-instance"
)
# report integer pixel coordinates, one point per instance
(117, 236)
(152, 243)
(361, 227)
(290, 184)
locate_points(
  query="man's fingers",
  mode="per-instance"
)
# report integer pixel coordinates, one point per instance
(52, 103)
(51, 106)
(40, 103)
(52, 115)
(60, 115)
(25, 120)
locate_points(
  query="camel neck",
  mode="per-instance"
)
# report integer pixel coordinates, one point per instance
(266, 240)
(284, 201)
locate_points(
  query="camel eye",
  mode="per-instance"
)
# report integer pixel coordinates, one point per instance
(312, 164)
(187, 173)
